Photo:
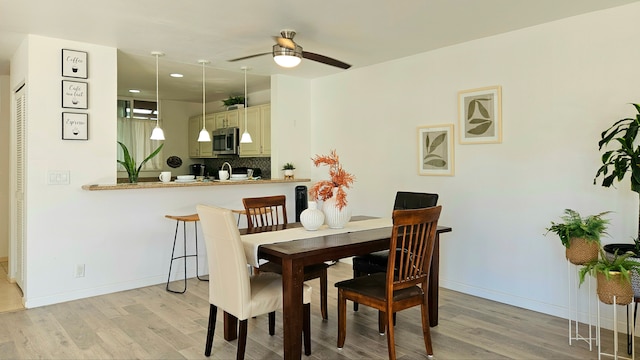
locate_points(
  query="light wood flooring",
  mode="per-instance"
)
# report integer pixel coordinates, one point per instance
(10, 294)
(150, 323)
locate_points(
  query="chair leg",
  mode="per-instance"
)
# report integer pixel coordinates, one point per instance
(391, 342)
(342, 319)
(306, 328)
(323, 295)
(381, 321)
(242, 339)
(272, 323)
(426, 328)
(213, 313)
(356, 274)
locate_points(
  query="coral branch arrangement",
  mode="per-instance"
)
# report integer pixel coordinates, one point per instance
(340, 179)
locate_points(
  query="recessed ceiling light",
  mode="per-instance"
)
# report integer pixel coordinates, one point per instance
(175, 75)
(134, 91)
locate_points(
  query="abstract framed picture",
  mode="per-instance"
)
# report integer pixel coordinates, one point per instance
(480, 115)
(435, 150)
(75, 126)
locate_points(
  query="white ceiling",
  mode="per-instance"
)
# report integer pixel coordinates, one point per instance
(358, 32)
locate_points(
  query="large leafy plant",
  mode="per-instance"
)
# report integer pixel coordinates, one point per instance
(129, 162)
(573, 225)
(604, 266)
(625, 159)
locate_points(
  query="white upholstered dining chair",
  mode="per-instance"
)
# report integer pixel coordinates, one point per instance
(232, 288)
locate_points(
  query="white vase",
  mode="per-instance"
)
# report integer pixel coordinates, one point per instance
(335, 218)
(312, 218)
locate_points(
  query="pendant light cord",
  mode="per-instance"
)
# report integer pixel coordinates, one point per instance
(157, 96)
(245, 99)
(203, 97)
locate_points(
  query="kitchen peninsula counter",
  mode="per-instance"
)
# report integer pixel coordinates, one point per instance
(173, 184)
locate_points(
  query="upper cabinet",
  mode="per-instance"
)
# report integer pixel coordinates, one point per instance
(259, 126)
(226, 119)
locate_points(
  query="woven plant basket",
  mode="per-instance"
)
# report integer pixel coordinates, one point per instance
(581, 251)
(622, 248)
(614, 286)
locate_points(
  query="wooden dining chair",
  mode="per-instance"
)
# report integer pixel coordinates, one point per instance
(377, 261)
(268, 213)
(406, 281)
(232, 288)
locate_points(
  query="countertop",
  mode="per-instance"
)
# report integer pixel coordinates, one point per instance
(173, 184)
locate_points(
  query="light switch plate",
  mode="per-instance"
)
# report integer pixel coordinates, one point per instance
(58, 177)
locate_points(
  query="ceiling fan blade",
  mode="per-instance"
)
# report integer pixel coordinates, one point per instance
(325, 60)
(285, 43)
(249, 57)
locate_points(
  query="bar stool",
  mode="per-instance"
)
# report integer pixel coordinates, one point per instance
(184, 219)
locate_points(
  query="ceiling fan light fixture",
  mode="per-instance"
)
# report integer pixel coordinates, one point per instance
(287, 58)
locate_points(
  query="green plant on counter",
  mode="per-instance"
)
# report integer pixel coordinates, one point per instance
(233, 100)
(129, 162)
(288, 166)
(605, 266)
(589, 228)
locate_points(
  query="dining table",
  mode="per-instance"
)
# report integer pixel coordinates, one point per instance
(295, 249)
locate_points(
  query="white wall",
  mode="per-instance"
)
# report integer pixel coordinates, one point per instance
(562, 84)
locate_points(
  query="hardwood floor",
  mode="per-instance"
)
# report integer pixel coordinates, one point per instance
(150, 323)
(10, 294)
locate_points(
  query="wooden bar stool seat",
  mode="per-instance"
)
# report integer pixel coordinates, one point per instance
(184, 219)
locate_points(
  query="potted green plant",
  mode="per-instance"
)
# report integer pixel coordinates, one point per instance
(129, 162)
(233, 100)
(580, 235)
(288, 170)
(613, 276)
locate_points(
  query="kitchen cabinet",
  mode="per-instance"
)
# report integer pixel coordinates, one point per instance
(199, 149)
(226, 119)
(259, 126)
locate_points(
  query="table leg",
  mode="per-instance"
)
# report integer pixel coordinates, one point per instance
(292, 283)
(433, 284)
(230, 327)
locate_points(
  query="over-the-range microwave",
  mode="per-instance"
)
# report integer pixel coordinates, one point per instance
(226, 141)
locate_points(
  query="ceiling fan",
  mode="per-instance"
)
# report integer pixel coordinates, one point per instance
(287, 53)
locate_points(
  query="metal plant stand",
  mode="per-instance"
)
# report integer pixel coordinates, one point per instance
(615, 333)
(574, 333)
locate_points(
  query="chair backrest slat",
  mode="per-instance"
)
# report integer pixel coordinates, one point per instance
(267, 211)
(413, 235)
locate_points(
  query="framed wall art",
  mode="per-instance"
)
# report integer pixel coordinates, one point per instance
(480, 115)
(74, 64)
(435, 150)
(75, 126)
(74, 94)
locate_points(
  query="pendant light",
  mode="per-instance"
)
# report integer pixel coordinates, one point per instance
(246, 137)
(157, 133)
(204, 134)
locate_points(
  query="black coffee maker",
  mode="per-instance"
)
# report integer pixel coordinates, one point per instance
(197, 169)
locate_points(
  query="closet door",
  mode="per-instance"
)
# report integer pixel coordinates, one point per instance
(16, 261)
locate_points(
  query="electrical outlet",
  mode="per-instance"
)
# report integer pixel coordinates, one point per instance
(79, 270)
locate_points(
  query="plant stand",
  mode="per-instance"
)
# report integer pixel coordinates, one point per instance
(615, 333)
(574, 333)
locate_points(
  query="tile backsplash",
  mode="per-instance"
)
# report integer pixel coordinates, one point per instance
(262, 163)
